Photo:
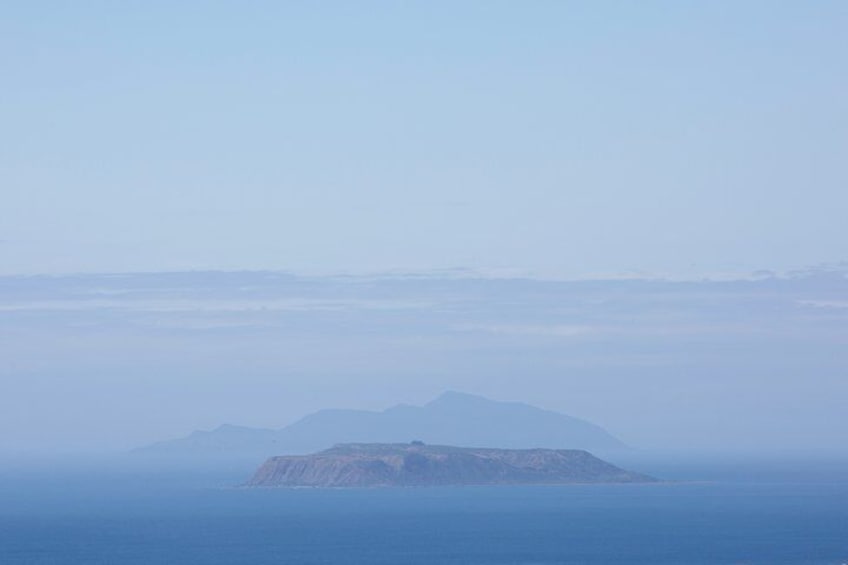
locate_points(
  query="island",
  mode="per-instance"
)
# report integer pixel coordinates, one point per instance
(417, 464)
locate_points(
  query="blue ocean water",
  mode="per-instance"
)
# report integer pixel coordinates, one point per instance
(95, 521)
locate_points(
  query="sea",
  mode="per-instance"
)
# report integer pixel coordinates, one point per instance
(57, 517)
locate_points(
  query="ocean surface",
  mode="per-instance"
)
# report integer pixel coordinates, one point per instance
(94, 518)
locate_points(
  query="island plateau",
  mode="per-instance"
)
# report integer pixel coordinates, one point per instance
(416, 464)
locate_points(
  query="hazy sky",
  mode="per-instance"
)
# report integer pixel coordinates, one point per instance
(535, 137)
(552, 139)
(95, 362)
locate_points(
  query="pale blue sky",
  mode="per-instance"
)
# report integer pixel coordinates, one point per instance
(554, 138)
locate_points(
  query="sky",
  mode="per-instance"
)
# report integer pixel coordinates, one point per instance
(535, 138)
(386, 166)
(94, 363)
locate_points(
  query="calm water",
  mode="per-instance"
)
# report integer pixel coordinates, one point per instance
(147, 521)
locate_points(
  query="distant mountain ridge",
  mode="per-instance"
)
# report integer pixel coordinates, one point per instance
(417, 464)
(453, 418)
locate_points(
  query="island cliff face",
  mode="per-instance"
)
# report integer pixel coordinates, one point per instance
(370, 465)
